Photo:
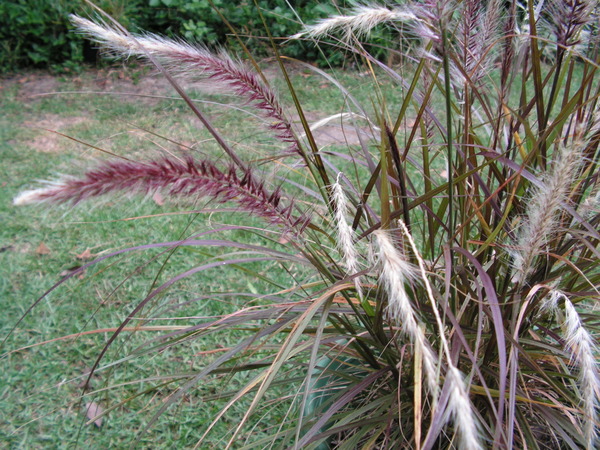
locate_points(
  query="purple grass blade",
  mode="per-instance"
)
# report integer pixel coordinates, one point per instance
(498, 322)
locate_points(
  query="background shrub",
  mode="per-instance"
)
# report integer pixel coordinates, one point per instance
(34, 33)
(198, 21)
(37, 34)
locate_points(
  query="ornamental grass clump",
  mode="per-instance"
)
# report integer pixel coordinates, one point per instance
(441, 278)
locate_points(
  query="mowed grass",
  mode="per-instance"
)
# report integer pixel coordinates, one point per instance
(43, 136)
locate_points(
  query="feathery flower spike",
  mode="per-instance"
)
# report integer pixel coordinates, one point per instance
(187, 178)
(477, 31)
(360, 20)
(459, 406)
(568, 17)
(461, 411)
(583, 353)
(395, 271)
(194, 60)
(545, 204)
(345, 233)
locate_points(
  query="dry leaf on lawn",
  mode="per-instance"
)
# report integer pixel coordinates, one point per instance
(93, 409)
(85, 255)
(42, 249)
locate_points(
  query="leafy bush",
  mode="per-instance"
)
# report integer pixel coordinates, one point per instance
(37, 33)
(440, 279)
(202, 21)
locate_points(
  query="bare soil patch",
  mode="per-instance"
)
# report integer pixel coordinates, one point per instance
(141, 87)
(47, 141)
(134, 82)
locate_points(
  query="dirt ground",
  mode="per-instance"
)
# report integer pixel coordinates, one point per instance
(145, 87)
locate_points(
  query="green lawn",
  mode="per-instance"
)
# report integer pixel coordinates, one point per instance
(41, 387)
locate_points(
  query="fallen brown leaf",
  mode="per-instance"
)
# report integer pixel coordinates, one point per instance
(42, 249)
(85, 255)
(84, 384)
(92, 410)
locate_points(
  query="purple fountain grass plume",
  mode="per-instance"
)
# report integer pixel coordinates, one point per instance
(346, 243)
(567, 18)
(178, 178)
(583, 353)
(433, 24)
(459, 408)
(478, 29)
(541, 215)
(434, 17)
(425, 19)
(193, 61)
(395, 272)
(359, 21)
(461, 411)
(508, 52)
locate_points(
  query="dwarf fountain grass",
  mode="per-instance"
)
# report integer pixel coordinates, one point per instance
(487, 160)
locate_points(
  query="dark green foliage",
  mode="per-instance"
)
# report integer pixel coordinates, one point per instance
(198, 21)
(37, 34)
(34, 33)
